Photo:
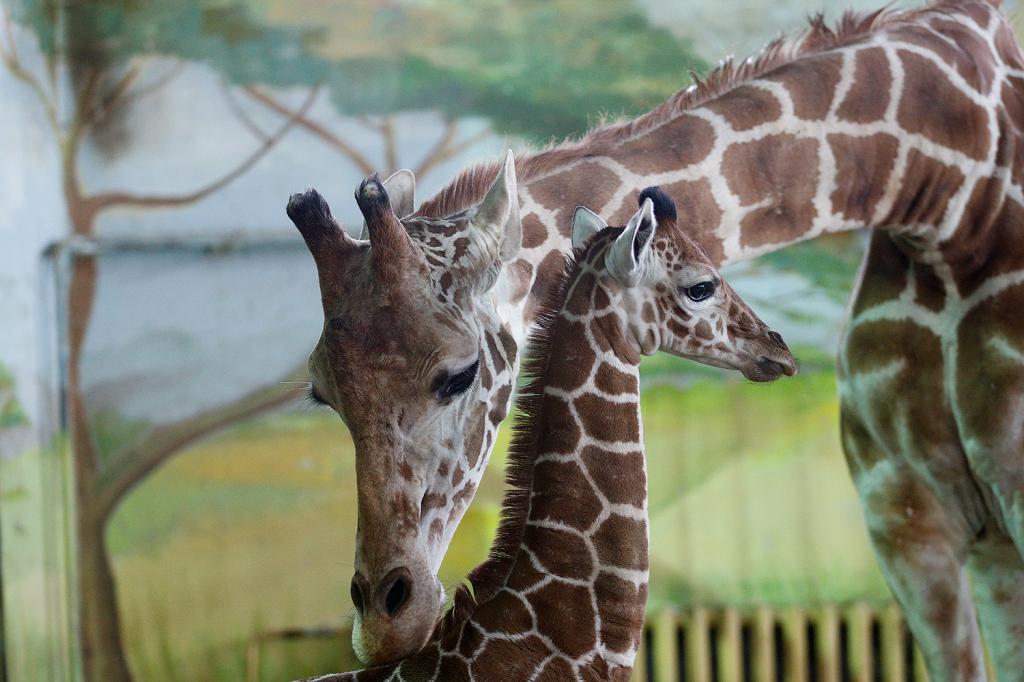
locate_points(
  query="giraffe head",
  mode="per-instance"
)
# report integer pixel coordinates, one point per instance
(674, 299)
(416, 359)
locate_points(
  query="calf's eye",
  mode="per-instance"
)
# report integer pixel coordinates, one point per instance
(700, 291)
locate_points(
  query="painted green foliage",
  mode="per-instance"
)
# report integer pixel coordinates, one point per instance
(514, 63)
(540, 69)
(11, 414)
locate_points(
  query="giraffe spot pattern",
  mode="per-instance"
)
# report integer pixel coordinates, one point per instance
(863, 169)
(569, 505)
(811, 82)
(685, 141)
(747, 107)
(934, 184)
(933, 107)
(562, 553)
(756, 171)
(622, 483)
(613, 551)
(616, 633)
(868, 97)
(605, 420)
(571, 635)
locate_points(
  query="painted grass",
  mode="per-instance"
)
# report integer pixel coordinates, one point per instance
(36, 597)
(250, 531)
(254, 530)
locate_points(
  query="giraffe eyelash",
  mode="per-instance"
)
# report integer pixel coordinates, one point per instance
(313, 398)
(447, 386)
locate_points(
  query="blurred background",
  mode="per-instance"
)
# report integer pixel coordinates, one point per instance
(200, 522)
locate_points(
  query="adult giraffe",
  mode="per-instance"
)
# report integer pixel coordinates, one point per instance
(909, 123)
(563, 594)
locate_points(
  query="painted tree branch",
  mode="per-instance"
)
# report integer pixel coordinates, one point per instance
(133, 463)
(241, 114)
(365, 166)
(158, 83)
(387, 129)
(85, 96)
(101, 106)
(370, 124)
(9, 55)
(9, 33)
(107, 200)
(451, 129)
(447, 150)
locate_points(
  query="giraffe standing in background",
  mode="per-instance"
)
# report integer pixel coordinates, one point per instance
(563, 593)
(906, 122)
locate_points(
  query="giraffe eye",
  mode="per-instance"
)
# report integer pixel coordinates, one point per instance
(450, 385)
(700, 291)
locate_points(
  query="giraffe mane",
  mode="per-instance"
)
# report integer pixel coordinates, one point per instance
(470, 185)
(489, 576)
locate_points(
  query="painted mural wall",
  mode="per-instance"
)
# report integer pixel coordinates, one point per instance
(164, 495)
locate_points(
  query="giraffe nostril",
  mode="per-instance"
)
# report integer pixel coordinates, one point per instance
(356, 592)
(776, 337)
(396, 596)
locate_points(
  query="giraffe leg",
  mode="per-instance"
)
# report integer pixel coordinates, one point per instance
(922, 556)
(922, 544)
(998, 572)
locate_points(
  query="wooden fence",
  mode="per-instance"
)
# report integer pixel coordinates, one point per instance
(831, 643)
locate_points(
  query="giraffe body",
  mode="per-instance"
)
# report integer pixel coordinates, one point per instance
(563, 594)
(908, 123)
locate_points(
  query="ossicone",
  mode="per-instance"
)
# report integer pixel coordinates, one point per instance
(389, 242)
(664, 207)
(311, 214)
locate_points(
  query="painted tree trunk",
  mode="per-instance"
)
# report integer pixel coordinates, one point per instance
(103, 658)
(99, 631)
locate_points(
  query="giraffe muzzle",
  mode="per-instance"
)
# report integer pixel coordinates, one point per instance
(769, 370)
(769, 356)
(395, 614)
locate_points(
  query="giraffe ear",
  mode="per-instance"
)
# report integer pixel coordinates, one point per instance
(585, 224)
(401, 189)
(495, 230)
(627, 256)
(497, 217)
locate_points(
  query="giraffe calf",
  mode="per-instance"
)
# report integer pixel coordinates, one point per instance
(563, 593)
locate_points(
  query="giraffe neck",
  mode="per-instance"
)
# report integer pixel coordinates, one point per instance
(885, 132)
(905, 122)
(568, 572)
(574, 535)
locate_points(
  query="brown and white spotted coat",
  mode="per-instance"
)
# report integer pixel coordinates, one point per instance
(563, 593)
(906, 122)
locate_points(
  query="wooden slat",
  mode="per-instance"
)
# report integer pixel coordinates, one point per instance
(794, 632)
(858, 643)
(730, 646)
(698, 647)
(666, 654)
(894, 635)
(764, 645)
(828, 645)
(667, 660)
